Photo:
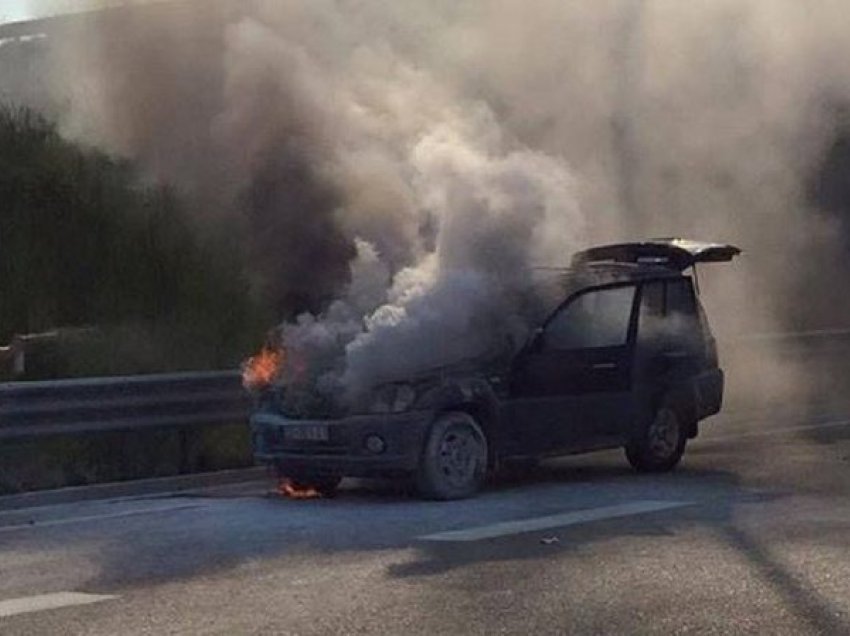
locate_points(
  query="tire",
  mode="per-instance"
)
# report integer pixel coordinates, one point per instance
(660, 444)
(454, 458)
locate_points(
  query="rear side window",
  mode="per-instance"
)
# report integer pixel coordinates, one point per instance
(668, 308)
(681, 313)
(652, 300)
(681, 300)
(595, 319)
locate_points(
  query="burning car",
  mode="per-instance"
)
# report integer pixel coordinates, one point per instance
(626, 359)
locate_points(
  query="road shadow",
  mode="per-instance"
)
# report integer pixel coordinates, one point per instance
(218, 533)
(717, 513)
(800, 596)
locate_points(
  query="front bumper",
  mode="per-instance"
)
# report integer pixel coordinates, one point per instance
(343, 453)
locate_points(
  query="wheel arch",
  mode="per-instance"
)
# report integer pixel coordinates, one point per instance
(475, 397)
(484, 416)
(681, 397)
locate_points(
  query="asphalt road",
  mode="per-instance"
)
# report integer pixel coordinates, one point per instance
(750, 535)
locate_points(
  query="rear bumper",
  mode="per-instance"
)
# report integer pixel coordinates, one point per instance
(344, 452)
(709, 389)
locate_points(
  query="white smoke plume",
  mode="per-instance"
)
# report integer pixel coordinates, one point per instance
(397, 167)
(494, 213)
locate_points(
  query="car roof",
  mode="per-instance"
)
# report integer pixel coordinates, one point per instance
(654, 259)
(604, 273)
(554, 285)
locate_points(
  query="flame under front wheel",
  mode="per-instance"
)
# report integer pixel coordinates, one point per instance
(325, 486)
(454, 459)
(660, 444)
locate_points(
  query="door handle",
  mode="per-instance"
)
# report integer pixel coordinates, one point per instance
(604, 365)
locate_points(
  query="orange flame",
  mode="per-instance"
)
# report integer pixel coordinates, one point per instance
(294, 490)
(261, 370)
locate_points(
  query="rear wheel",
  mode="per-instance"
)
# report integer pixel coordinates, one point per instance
(660, 444)
(454, 459)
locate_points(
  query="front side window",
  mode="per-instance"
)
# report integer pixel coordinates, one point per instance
(595, 319)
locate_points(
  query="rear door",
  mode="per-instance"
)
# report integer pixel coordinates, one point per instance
(670, 347)
(670, 330)
(571, 388)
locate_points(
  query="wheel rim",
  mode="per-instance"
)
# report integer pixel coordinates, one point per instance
(460, 455)
(664, 434)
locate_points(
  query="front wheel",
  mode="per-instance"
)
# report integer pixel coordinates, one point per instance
(659, 446)
(454, 460)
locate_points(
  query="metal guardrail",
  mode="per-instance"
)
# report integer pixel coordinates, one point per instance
(92, 405)
(798, 345)
(823, 335)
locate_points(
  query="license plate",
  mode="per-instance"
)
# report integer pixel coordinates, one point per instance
(307, 433)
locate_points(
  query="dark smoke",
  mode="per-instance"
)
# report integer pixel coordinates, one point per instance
(443, 148)
(297, 245)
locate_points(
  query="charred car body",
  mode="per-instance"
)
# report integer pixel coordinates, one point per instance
(627, 359)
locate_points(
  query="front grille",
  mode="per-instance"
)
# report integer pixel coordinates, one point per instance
(300, 406)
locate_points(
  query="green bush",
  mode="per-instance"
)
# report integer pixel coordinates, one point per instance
(84, 241)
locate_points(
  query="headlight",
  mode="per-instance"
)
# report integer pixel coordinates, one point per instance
(392, 398)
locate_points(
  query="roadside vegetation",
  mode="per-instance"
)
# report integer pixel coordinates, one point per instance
(115, 264)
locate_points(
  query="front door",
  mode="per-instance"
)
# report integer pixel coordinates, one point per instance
(571, 389)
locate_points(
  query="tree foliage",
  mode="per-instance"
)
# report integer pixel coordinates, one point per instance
(84, 241)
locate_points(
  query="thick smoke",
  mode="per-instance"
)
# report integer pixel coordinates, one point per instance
(486, 214)
(496, 213)
(398, 168)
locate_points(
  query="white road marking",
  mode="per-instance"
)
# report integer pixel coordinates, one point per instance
(774, 431)
(15, 606)
(555, 521)
(111, 515)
